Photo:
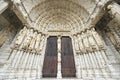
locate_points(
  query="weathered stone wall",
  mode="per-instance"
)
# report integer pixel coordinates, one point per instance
(96, 51)
(109, 31)
(9, 26)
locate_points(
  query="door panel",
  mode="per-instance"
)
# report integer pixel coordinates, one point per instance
(50, 60)
(68, 64)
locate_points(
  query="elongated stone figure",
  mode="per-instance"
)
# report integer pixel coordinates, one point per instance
(41, 43)
(82, 48)
(112, 38)
(32, 43)
(85, 41)
(116, 35)
(20, 37)
(98, 39)
(37, 42)
(91, 40)
(76, 43)
(28, 39)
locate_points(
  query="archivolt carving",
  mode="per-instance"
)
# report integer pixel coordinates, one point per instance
(73, 19)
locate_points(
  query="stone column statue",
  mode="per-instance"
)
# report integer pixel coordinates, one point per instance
(114, 10)
(32, 43)
(20, 37)
(91, 40)
(37, 42)
(82, 48)
(26, 43)
(97, 39)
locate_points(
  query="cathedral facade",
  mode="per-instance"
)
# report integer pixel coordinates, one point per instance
(59, 39)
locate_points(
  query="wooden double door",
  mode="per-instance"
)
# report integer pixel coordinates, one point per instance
(67, 58)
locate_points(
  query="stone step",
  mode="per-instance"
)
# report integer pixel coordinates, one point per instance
(62, 79)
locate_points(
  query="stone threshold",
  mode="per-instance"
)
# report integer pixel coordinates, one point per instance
(61, 79)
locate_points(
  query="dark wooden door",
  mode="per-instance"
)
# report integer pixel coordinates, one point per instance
(50, 60)
(68, 64)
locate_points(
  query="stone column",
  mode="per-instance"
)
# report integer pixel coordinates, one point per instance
(3, 6)
(38, 65)
(42, 54)
(23, 66)
(12, 74)
(78, 66)
(114, 10)
(39, 72)
(77, 57)
(59, 74)
(21, 9)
